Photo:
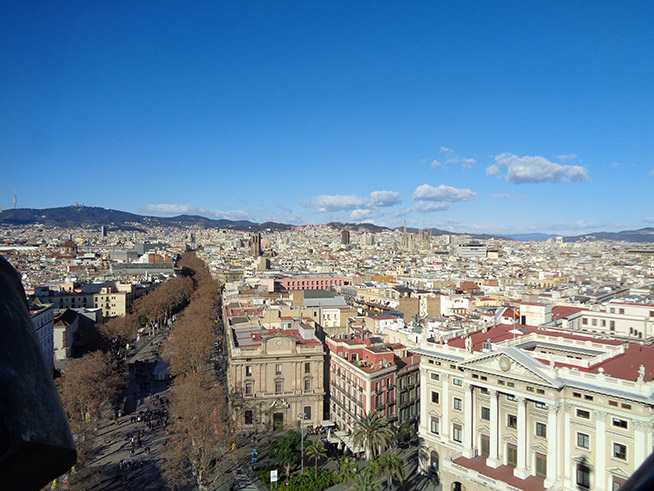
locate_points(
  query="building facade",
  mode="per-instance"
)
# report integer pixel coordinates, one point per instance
(537, 411)
(274, 374)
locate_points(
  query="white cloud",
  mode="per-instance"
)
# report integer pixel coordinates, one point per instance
(385, 198)
(171, 209)
(428, 206)
(649, 219)
(442, 193)
(651, 173)
(191, 209)
(615, 165)
(507, 197)
(566, 158)
(449, 157)
(335, 202)
(361, 214)
(535, 169)
(492, 170)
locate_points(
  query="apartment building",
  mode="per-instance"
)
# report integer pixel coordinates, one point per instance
(43, 320)
(633, 321)
(115, 299)
(516, 407)
(273, 374)
(366, 375)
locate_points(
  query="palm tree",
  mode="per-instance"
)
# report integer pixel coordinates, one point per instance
(393, 465)
(315, 450)
(365, 481)
(347, 469)
(373, 432)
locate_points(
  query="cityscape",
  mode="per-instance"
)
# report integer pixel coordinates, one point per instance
(308, 246)
(499, 363)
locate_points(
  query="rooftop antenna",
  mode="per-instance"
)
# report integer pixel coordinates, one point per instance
(14, 201)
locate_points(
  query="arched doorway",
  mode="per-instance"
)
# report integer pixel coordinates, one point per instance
(457, 486)
(278, 421)
(434, 462)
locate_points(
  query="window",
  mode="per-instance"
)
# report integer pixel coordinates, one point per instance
(512, 421)
(621, 311)
(248, 417)
(435, 425)
(583, 476)
(510, 397)
(583, 440)
(307, 367)
(612, 325)
(435, 376)
(248, 371)
(541, 465)
(510, 384)
(435, 397)
(485, 445)
(511, 455)
(501, 382)
(540, 405)
(457, 433)
(619, 451)
(613, 403)
(541, 430)
(458, 404)
(307, 384)
(620, 423)
(584, 321)
(626, 406)
(279, 384)
(485, 413)
(483, 377)
(474, 375)
(458, 382)
(540, 391)
(587, 397)
(278, 369)
(576, 394)
(307, 412)
(248, 388)
(582, 413)
(617, 483)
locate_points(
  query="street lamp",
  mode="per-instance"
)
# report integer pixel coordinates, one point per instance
(302, 417)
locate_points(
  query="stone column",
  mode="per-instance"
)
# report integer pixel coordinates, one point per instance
(521, 470)
(445, 404)
(493, 459)
(600, 451)
(425, 401)
(469, 419)
(567, 445)
(640, 443)
(552, 441)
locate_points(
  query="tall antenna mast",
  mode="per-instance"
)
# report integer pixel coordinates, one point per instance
(14, 201)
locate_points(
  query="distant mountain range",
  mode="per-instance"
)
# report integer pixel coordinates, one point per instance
(90, 216)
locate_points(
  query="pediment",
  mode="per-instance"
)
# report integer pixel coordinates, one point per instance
(433, 412)
(539, 447)
(512, 363)
(617, 471)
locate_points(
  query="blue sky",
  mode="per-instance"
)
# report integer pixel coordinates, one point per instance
(499, 117)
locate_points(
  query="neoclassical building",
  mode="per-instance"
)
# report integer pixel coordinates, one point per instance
(273, 375)
(517, 407)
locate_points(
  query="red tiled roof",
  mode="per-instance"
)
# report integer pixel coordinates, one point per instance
(565, 311)
(503, 473)
(626, 365)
